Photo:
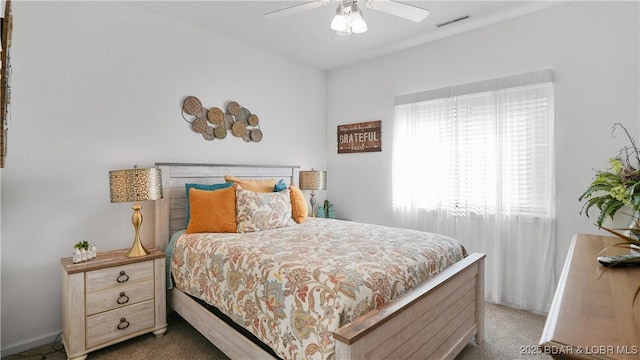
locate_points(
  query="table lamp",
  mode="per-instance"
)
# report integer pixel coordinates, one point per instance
(313, 180)
(134, 185)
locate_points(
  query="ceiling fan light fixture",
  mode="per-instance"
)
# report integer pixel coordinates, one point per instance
(356, 21)
(339, 22)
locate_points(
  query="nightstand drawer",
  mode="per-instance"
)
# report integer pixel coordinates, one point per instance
(114, 324)
(119, 276)
(109, 299)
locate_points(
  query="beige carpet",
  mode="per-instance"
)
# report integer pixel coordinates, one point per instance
(508, 331)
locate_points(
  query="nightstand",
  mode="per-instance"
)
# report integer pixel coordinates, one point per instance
(111, 298)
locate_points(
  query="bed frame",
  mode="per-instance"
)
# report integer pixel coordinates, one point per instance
(436, 320)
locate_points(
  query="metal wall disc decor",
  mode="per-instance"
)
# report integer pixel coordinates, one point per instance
(215, 116)
(199, 125)
(239, 128)
(208, 134)
(221, 132)
(228, 121)
(215, 123)
(253, 120)
(243, 115)
(256, 135)
(233, 108)
(192, 105)
(247, 136)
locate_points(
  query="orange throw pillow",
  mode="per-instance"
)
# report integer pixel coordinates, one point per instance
(212, 211)
(256, 185)
(299, 209)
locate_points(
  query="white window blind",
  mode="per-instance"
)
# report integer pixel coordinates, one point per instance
(484, 153)
(475, 162)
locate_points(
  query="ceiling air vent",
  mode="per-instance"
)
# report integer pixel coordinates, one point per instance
(464, 17)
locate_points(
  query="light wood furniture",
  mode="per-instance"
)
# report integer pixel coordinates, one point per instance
(436, 320)
(591, 316)
(112, 298)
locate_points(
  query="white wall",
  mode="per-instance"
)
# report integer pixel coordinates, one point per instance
(592, 48)
(98, 86)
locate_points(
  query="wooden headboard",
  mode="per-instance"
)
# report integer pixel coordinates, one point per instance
(170, 210)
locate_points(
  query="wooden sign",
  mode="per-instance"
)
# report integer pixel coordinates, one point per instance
(360, 137)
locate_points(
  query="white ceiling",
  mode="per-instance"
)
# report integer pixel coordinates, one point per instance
(306, 36)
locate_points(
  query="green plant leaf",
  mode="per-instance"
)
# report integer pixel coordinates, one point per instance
(608, 208)
(628, 239)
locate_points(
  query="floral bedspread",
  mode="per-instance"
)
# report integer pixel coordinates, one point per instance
(293, 286)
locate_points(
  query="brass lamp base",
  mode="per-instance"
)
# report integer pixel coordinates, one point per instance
(137, 249)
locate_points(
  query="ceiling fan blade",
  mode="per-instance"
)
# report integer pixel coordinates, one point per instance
(294, 9)
(400, 9)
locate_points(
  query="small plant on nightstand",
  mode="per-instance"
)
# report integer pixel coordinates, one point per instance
(83, 252)
(327, 210)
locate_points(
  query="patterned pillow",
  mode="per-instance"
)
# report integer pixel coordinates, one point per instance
(262, 211)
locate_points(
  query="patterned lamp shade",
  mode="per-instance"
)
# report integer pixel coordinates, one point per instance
(313, 180)
(135, 185)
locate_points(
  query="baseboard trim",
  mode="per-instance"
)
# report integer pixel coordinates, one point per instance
(28, 344)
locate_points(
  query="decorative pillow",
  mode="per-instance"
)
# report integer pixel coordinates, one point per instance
(280, 185)
(209, 187)
(257, 185)
(262, 211)
(299, 209)
(212, 211)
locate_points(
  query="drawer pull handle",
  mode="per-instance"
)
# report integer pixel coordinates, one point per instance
(123, 299)
(123, 324)
(122, 278)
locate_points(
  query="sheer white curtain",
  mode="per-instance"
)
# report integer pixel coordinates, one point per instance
(475, 162)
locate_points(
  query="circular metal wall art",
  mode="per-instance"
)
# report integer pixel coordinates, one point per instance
(247, 136)
(253, 120)
(199, 125)
(208, 134)
(233, 108)
(192, 105)
(221, 132)
(215, 116)
(228, 121)
(256, 135)
(238, 129)
(243, 115)
(216, 123)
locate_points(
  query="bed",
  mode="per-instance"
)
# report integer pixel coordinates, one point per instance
(435, 319)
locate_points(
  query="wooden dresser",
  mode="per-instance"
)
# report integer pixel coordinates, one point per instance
(592, 316)
(111, 298)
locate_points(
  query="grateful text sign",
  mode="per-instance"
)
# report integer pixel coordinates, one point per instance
(360, 137)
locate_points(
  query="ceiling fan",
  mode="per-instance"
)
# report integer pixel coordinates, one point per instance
(348, 18)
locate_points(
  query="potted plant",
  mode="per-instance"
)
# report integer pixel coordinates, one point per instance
(618, 188)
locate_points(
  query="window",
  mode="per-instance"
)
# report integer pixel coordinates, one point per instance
(485, 149)
(475, 162)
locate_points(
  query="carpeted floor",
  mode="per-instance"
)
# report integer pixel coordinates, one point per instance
(508, 334)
